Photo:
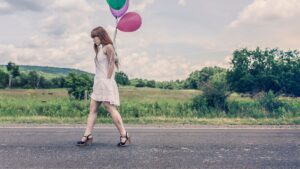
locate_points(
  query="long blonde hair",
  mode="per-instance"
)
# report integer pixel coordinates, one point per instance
(101, 33)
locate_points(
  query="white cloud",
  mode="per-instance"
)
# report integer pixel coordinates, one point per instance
(4, 7)
(141, 65)
(67, 55)
(261, 11)
(72, 5)
(61, 37)
(57, 33)
(141, 5)
(162, 68)
(13, 6)
(182, 2)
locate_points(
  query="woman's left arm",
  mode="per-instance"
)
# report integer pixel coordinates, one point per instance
(111, 60)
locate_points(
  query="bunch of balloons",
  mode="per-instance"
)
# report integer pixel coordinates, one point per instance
(126, 22)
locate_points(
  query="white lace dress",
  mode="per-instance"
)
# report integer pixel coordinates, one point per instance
(104, 89)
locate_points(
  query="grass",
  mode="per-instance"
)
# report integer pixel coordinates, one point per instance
(150, 120)
(151, 95)
(138, 106)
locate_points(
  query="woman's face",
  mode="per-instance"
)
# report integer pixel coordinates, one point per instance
(97, 40)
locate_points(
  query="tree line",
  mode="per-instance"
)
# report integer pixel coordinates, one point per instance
(12, 77)
(252, 71)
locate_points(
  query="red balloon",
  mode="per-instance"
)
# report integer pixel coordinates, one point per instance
(130, 22)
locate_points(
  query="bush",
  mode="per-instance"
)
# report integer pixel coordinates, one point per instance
(121, 78)
(140, 83)
(216, 91)
(78, 84)
(245, 108)
(3, 79)
(199, 103)
(271, 103)
(150, 83)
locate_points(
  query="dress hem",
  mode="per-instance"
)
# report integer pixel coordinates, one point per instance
(106, 100)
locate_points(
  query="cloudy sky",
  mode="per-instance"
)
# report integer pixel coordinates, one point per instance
(176, 37)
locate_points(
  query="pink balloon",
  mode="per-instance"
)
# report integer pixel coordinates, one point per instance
(130, 22)
(120, 12)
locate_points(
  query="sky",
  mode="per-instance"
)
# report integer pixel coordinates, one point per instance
(176, 38)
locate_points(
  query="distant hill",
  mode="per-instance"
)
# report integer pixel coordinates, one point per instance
(48, 72)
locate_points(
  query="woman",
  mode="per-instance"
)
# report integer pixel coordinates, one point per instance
(105, 89)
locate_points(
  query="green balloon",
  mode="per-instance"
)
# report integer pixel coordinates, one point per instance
(116, 4)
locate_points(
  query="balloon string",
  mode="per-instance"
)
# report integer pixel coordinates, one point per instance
(115, 36)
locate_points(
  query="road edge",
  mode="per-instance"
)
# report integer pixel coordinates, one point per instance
(151, 126)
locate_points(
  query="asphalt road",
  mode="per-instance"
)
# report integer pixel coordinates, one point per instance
(151, 148)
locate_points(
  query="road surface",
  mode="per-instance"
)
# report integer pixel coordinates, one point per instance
(156, 148)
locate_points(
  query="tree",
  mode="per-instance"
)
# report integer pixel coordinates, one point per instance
(13, 70)
(150, 83)
(3, 79)
(77, 84)
(216, 91)
(58, 82)
(165, 85)
(122, 78)
(239, 77)
(33, 79)
(140, 83)
(197, 78)
(45, 83)
(265, 70)
(21, 81)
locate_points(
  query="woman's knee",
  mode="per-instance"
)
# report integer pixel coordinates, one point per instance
(94, 106)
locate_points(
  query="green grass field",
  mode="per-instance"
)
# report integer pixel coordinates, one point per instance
(138, 106)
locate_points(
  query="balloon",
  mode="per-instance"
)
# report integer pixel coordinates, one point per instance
(116, 4)
(121, 12)
(130, 22)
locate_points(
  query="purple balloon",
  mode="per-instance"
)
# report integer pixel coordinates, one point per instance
(130, 22)
(120, 12)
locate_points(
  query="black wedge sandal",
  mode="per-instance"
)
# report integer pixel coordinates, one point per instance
(88, 141)
(122, 144)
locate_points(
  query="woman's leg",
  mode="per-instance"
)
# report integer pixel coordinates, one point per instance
(94, 105)
(116, 117)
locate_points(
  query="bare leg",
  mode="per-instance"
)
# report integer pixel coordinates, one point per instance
(94, 105)
(116, 117)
